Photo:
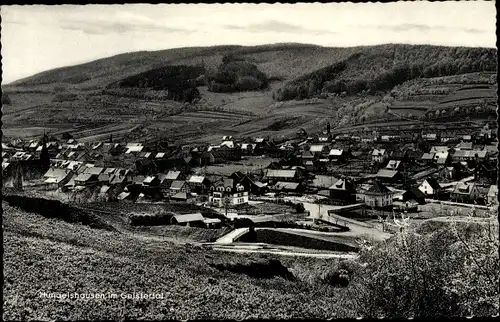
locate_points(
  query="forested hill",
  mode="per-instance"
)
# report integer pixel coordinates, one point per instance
(302, 71)
(380, 68)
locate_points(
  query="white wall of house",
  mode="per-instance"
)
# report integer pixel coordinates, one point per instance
(378, 200)
(426, 189)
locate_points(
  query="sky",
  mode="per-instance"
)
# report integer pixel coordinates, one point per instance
(37, 38)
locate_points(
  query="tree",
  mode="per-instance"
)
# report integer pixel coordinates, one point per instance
(438, 269)
(226, 203)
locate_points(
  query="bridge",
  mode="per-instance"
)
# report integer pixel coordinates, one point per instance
(232, 236)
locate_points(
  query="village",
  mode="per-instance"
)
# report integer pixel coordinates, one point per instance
(315, 178)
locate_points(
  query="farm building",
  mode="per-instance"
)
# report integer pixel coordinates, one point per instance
(465, 192)
(318, 149)
(430, 188)
(288, 187)
(294, 175)
(189, 220)
(343, 191)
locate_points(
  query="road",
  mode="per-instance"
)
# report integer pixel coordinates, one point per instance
(281, 250)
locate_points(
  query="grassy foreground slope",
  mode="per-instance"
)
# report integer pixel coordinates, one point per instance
(47, 255)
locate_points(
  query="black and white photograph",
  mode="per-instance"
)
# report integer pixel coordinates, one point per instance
(249, 161)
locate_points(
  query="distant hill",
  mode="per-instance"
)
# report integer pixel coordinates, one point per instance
(380, 68)
(201, 93)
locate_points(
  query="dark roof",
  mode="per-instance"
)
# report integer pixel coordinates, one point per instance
(415, 192)
(433, 183)
(378, 187)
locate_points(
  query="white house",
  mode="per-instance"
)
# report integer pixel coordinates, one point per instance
(492, 197)
(379, 155)
(430, 187)
(227, 189)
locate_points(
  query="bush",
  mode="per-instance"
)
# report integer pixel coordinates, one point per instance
(449, 271)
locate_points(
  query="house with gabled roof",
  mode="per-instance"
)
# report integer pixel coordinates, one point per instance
(465, 192)
(189, 220)
(430, 188)
(379, 155)
(343, 191)
(492, 196)
(86, 179)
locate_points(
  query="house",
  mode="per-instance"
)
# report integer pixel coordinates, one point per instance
(439, 148)
(427, 157)
(179, 186)
(294, 175)
(94, 170)
(394, 165)
(227, 190)
(337, 155)
(469, 155)
(86, 179)
(464, 146)
(492, 196)
(379, 155)
(57, 178)
(448, 173)
(189, 220)
(323, 181)
(288, 187)
(491, 149)
(441, 157)
(343, 192)
(389, 175)
(183, 197)
(151, 181)
(198, 184)
(430, 188)
(399, 155)
(414, 194)
(212, 223)
(104, 178)
(124, 196)
(465, 192)
(431, 137)
(467, 138)
(376, 196)
(318, 149)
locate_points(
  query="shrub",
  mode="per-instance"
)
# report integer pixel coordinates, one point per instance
(449, 271)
